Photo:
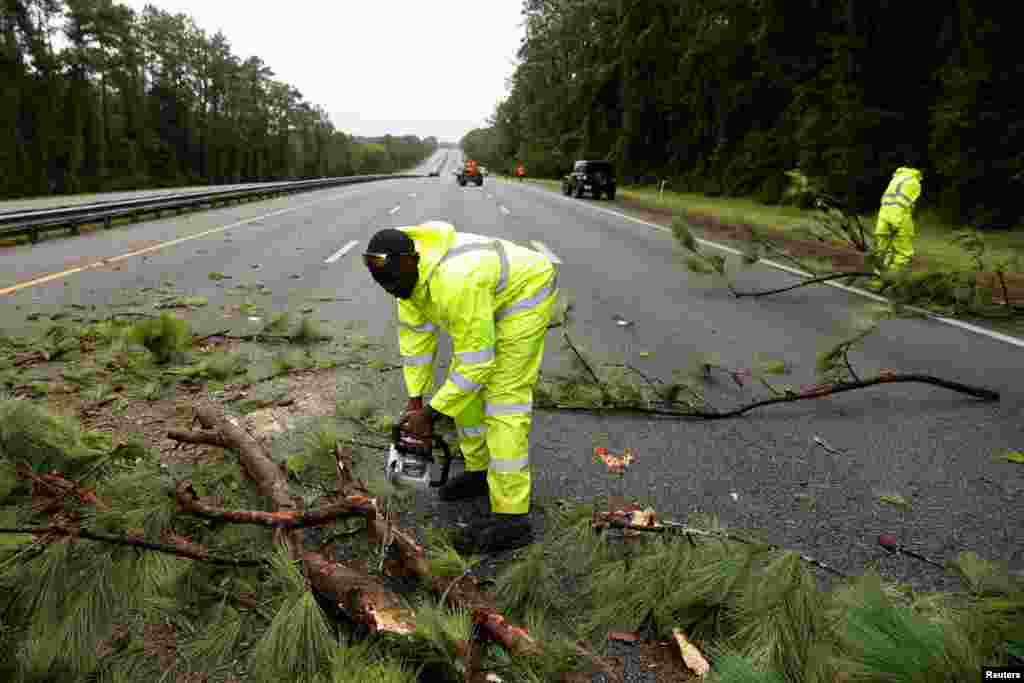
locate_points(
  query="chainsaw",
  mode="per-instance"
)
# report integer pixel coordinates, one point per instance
(410, 458)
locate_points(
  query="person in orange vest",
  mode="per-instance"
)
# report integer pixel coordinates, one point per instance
(894, 231)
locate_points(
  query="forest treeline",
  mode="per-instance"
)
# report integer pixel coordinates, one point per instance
(95, 96)
(723, 96)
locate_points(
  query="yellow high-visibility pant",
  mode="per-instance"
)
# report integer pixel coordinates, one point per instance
(494, 429)
(898, 237)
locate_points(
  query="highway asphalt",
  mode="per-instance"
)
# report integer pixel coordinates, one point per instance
(937, 449)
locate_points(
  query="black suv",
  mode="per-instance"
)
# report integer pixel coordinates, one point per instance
(596, 177)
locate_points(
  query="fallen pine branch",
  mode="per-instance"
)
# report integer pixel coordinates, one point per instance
(191, 553)
(812, 281)
(351, 506)
(616, 520)
(60, 486)
(464, 592)
(366, 600)
(818, 392)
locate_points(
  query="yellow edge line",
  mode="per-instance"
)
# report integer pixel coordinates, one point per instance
(138, 252)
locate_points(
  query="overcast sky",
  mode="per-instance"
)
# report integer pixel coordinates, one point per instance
(404, 67)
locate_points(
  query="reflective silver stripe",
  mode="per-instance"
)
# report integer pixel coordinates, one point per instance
(464, 248)
(507, 466)
(472, 432)
(529, 303)
(425, 327)
(898, 194)
(494, 246)
(464, 384)
(507, 409)
(417, 361)
(470, 357)
(503, 277)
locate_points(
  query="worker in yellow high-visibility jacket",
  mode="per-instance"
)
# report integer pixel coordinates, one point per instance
(494, 298)
(894, 230)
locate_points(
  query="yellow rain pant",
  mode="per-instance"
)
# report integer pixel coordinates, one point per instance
(898, 238)
(494, 429)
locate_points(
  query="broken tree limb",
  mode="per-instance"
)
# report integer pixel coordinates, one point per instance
(366, 600)
(204, 438)
(363, 598)
(351, 506)
(464, 592)
(818, 392)
(812, 281)
(618, 520)
(58, 487)
(193, 552)
(263, 471)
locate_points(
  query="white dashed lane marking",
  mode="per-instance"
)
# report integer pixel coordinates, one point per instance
(543, 248)
(504, 210)
(341, 252)
(395, 210)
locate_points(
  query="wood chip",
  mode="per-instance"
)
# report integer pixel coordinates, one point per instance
(691, 655)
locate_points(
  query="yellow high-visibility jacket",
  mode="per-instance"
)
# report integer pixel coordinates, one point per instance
(901, 195)
(467, 284)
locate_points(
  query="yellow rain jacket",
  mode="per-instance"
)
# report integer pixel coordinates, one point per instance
(494, 298)
(895, 224)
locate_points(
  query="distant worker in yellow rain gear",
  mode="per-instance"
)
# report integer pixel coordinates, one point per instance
(495, 299)
(894, 231)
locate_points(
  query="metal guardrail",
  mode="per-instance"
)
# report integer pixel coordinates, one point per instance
(32, 223)
(131, 195)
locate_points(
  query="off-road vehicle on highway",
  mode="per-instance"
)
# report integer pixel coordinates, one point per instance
(470, 173)
(595, 177)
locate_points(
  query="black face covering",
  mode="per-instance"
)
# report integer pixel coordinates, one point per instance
(395, 282)
(389, 274)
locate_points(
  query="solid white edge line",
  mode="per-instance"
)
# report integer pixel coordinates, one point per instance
(1013, 341)
(543, 248)
(341, 252)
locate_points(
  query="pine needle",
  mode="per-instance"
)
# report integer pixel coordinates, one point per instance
(361, 663)
(524, 585)
(779, 616)
(298, 645)
(732, 667)
(216, 644)
(881, 640)
(31, 434)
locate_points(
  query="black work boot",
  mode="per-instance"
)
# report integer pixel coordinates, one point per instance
(494, 534)
(466, 485)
